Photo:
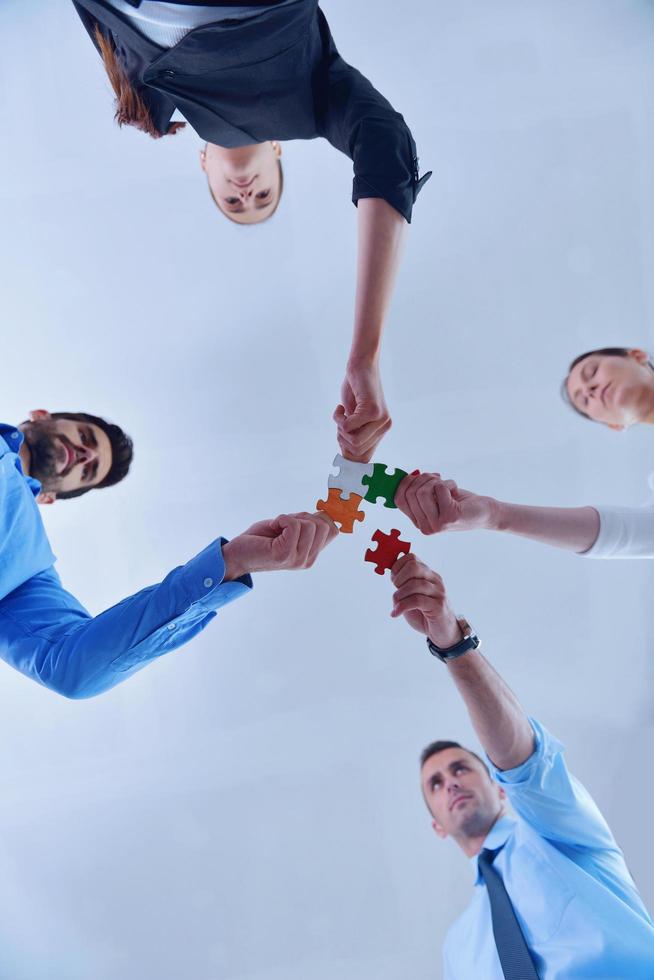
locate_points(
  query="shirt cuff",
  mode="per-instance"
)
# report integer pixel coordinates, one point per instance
(625, 532)
(203, 579)
(540, 760)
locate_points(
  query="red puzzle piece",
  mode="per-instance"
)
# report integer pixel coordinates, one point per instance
(389, 549)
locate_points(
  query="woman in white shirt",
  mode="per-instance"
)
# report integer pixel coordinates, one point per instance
(613, 386)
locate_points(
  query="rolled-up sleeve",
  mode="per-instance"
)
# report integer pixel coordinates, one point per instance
(360, 122)
(49, 636)
(625, 532)
(550, 799)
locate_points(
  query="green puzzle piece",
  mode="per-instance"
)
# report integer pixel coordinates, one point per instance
(382, 484)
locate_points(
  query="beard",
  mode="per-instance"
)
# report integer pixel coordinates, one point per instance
(477, 823)
(40, 439)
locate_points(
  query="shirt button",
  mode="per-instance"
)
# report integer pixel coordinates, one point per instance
(14, 435)
(168, 72)
(208, 582)
(171, 626)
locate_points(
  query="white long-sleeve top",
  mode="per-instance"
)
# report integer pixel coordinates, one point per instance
(625, 532)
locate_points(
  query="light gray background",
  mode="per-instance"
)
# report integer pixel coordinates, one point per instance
(247, 808)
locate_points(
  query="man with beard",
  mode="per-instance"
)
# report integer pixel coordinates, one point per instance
(553, 895)
(44, 631)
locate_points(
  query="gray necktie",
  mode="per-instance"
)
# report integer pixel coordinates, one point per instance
(512, 949)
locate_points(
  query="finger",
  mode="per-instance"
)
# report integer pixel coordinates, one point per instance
(285, 545)
(339, 414)
(416, 570)
(305, 542)
(332, 529)
(417, 586)
(365, 439)
(348, 399)
(321, 538)
(404, 568)
(445, 505)
(421, 503)
(425, 604)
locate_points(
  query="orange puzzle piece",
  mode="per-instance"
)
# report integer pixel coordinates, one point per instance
(343, 512)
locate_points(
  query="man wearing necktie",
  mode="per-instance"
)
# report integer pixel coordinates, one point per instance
(553, 897)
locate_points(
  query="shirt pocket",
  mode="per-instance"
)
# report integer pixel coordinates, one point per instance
(540, 894)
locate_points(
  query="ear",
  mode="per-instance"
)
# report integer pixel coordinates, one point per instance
(438, 830)
(46, 498)
(639, 355)
(615, 426)
(277, 148)
(203, 160)
(39, 414)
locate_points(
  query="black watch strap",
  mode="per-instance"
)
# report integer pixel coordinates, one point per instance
(470, 641)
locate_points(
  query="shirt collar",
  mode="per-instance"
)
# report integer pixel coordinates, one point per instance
(495, 839)
(11, 439)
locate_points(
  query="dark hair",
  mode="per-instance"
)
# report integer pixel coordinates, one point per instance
(131, 109)
(122, 451)
(603, 351)
(279, 197)
(435, 747)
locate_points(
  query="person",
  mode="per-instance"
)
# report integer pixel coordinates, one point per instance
(612, 385)
(435, 504)
(44, 631)
(247, 76)
(553, 896)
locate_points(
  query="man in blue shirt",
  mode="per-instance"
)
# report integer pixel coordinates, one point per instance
(44, 631)
(553, 896)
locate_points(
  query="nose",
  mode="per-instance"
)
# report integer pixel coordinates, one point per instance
(86, 454)
(592, 388)
(245, 193)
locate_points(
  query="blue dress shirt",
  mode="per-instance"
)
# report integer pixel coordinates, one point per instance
(574, 898)
(45, 632)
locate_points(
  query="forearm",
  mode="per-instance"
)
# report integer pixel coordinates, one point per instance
(572, 528)
(499, 720)
(381, 231)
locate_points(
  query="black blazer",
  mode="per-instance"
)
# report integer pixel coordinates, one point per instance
(275, 76)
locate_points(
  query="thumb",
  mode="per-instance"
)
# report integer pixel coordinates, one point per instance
(359, 417)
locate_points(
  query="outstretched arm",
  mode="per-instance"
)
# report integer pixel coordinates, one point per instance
(362, 417)
(499, 720)
(434, 505)
(50, 637)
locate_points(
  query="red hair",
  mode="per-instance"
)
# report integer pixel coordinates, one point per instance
(131, 109)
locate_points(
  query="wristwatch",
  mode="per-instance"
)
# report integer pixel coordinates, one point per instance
(470, 641)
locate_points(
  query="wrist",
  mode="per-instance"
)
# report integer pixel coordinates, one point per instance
(445, 635)
(232, 559)
(497, 518)
(364, 357)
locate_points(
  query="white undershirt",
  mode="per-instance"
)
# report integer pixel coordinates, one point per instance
(167, 23)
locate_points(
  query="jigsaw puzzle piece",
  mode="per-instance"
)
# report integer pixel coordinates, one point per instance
(383, 484)
(389, 548)
(342, 512)
(349, 479)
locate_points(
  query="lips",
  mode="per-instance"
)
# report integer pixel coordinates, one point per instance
(242, 183)
(460, 799)
(69, 458)
(604, 391)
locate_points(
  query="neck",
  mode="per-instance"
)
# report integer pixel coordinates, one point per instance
(471, 844)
